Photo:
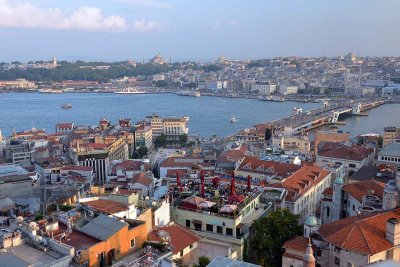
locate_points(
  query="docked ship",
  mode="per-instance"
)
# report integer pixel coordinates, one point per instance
(194, 93)
(129, 91)
(272, 98)
(50, 91)
(66, 106)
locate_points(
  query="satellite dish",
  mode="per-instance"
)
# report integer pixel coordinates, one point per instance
(153, 203)
(32, 225)
(20, 219)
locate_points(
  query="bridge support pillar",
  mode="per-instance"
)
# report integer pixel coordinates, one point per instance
(357, 108)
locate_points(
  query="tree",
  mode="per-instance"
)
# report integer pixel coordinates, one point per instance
(161, 140)
(380, 141)
(142, 151)
(271, 233)
(183, 138)
(161, 83)
(203, 261)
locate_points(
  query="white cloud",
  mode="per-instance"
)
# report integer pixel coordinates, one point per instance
(148, 26)
(147, 3)
(232, 22)
(84, 18)
(218, 23)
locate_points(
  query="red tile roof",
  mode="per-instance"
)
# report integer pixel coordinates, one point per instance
(106, 206)
(360, 189)
(256, 165)
(364, 234)
(301, 181)
(342, 151)
(298, 243)
(328, 191)
(183, 162)
(142, 178)
(180, 237)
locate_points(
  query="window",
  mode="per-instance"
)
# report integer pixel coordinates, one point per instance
(354, 207)
(219, 229)
(337, 261)
(188, 223)
(181, 253)
(229, 231)
(133, 243)
(352, 165)
(328, 211)
(209, 227)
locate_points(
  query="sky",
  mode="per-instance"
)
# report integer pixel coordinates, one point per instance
(198, 30)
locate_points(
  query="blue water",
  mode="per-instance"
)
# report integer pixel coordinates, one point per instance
(208, 115)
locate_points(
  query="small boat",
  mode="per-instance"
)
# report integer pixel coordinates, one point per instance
(194, 93)
(232, 119)
(129, 90)
(66, 106)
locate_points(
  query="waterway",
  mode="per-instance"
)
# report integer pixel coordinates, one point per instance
(208, 115)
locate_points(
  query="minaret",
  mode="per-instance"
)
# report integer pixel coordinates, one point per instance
(337, 199)
(309, 259)
(1, 137)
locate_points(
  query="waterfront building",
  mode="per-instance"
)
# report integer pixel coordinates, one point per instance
(287, 90)
(173, 128)
(64, 127)
(390, 134)
(390, 154)
(26, 135)
(263, 88)
(359, 91)
(18, 84)
(158, 77)
(156, 123)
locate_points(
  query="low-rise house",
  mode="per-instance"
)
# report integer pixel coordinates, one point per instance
(360, 240)
(109, 207)
(353, 157)
(390, 154)
(182, 240)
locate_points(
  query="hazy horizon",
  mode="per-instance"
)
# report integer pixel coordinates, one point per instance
(200, 31)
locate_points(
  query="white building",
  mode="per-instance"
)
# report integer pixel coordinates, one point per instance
(287, 90)
(264, 88)
(390, 154)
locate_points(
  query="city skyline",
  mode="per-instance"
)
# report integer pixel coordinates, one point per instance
(200, 31)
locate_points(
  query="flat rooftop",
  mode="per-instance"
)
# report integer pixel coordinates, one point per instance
(220, 261)
(25, 255)
(11, 169)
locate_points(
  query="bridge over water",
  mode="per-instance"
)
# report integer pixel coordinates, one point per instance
(305, 121)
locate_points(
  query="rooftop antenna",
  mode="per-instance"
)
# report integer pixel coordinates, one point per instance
(142, 58)
(170, 58)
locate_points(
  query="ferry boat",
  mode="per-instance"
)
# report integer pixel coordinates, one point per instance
(129, 90)
(194, 93)
(66, 106)
(272, 98)
(50, 91)
(232, 119)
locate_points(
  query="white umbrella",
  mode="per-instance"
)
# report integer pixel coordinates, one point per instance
(228, 208)
(206, 204)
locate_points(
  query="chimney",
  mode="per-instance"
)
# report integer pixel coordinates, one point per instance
(393, 231)
(178, 181)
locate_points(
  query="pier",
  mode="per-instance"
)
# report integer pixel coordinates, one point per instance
(328, 114)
